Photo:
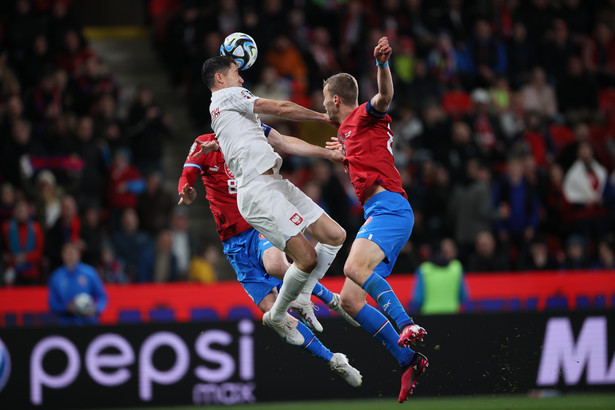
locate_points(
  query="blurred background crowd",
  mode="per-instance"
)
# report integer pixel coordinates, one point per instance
(504, 117)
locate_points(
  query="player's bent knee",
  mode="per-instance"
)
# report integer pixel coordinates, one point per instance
(350, 305)
(307, 261)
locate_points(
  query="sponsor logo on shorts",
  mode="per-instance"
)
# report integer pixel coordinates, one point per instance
(261, 236)
(368, 220)
(296, 219)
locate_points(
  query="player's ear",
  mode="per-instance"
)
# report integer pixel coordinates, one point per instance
(337, 100)
(219, 78)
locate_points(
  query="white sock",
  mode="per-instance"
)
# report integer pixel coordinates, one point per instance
(326, 254)
(294, 281)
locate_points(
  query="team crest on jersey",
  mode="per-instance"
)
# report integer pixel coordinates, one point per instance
(368, 220)
(228, 172)
(247, 94)
(296, 219)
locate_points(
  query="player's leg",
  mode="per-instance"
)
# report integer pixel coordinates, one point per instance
(330, 236)
(276, 264)
(363, 259)
(412, 363)
(299, 249)
(374, 322)
(336, 361)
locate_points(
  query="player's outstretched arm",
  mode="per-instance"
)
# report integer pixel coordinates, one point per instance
(287, 144)
(382, 53)
(288, 110)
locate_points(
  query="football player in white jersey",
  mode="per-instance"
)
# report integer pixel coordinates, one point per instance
(272, 205)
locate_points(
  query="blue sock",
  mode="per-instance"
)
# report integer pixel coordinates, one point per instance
(379, 327)
(380, 290)
(313, 345)
(322, 293)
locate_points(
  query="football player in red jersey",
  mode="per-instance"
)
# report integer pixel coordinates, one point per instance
(365, 138)
(258, 264)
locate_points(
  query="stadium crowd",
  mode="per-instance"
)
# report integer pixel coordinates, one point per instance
(504, 117)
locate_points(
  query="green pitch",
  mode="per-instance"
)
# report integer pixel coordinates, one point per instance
(577, 401)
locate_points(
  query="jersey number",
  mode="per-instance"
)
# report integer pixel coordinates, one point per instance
(232, 186)
(390, 143)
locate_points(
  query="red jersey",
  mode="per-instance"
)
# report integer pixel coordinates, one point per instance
(220, 186)
(368, 152)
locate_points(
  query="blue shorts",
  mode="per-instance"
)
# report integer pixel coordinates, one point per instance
(245, 253)
(388, 223)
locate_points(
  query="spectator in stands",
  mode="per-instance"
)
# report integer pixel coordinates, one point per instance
(24, 242)
(287, 60)
(536, 256)
(203, 265)
(537, 139)
(125, 184)
(93, 80)
(557, 216)
(442, 60)
(484, 57)
(568, 154)
(9, 84)
(470, 208)
(92, 236)
(558, 49)
(517, 205)
(47, 197)
(15, 148)
(66, 229)
(158, 263)
(586, 185)
(323, 54)
(599, 55)
(20, 28)
(538, 95)
(440, 285)
(148, 129)
(522, 55)
(154, 205)
(487, 132)
(576, 253)
(184, 242)
(91, 186)
(74, 52)
(39, 61)
(606, 256)
(460, 150)
(486, 257)
(577, 94)
(8, 199)
(111, 269)
(129, 243)
(76, 293)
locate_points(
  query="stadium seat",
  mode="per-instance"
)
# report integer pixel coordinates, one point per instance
(492, 305)
(129, 316)
(583, 302)
(557, 302)
(599, 302)
(29, 319)
(240, 312)
(531, 304)
(162, 314)
(47, 318)
(10, 319)
(514, 305)
(204, 315)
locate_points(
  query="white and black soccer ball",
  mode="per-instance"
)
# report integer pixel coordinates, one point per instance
(242, 48)
(83, 303)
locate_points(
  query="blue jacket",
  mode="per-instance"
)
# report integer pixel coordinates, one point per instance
(64, 285)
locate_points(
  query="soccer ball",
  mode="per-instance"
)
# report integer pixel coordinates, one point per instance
(242, 48)
(83, 303)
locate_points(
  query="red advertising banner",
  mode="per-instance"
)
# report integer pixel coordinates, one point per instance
(182, 301)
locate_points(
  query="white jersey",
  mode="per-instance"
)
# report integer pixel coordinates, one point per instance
(240, 136)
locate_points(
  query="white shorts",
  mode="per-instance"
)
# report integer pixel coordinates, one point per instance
(276, 208)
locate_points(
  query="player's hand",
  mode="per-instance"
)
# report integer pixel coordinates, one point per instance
(187, 195)
(206, 147)
(383, 51)
(336, 156)
(334, 145)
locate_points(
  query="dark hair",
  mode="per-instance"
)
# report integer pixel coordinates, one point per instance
(344, 86)
(214, 65)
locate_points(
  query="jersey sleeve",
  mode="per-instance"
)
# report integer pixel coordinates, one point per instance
(193, 166)
(240, 100)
